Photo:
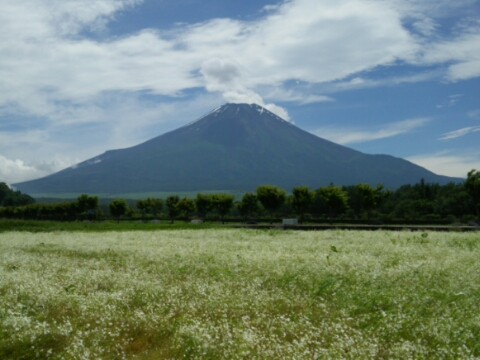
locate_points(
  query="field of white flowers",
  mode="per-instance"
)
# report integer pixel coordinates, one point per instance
(240, 294)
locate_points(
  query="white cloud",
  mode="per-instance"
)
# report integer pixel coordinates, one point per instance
(48, 61)
(463, 51)
(452, 100)
(362, 83)
(299, 94)
(474, 114)
(342, 135)
(51, 72)
(426, 26)
(460, 132)
(13, 171)
(434, 8)
(309, 99)
(224, 76)
(447, 163)
(18, 138)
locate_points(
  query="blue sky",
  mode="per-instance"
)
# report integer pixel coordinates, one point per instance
(397, 77)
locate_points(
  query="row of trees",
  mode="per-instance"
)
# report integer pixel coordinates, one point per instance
(419, 202)
(85, 207)
(220, 204)
(422, 201)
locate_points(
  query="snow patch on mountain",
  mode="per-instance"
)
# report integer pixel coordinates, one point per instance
(204, 116)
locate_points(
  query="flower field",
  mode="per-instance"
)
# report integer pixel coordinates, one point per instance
(240, 294)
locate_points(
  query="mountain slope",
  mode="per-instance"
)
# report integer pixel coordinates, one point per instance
(234, 147)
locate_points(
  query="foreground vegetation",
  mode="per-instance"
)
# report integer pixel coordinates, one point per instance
(34, 226)
(239, 294)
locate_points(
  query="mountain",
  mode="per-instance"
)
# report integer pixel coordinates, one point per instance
(234, 147)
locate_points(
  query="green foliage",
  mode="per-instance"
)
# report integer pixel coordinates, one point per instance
(44, 226)
(142, 207)
(302, 199)
(334, 199)
(87, 205)
(248, 205)
(222, 203)
(172, 205)
(204, 204)
(413, 203)
(271, 197)
(186, 207)
(370, 197)
(117, 208)
(472, 185)
(150, 206)
(59, 211)
(9, 197)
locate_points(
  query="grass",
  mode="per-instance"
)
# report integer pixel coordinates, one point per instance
(239, 294)
(34, 226)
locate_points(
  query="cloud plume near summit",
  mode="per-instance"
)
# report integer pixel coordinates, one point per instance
(225, 76)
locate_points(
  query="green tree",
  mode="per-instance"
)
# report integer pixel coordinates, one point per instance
(99, 213)
(156, 206)
(223, 203)
(87, 204)
(271, 197)
(413, 209)
(9, 197)
(302, 200)
(149, 206)
(334, 199)
(172, 205)
(370, 197)
(4, 191)
(453, 200)
(186, 207)
(472, 185)
(142, 206)
(248, 205)
(117, 208)
(204, 203)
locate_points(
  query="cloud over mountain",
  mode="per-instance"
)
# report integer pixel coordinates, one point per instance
(50, 60)
(61, 64)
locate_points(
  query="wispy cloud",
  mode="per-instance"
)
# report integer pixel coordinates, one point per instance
(459, 133)
(461, 52)
(426, 26)
(348, 135)
(474, 114)
(452, 100)
(359, 82)
(299, 94)
(448, 163)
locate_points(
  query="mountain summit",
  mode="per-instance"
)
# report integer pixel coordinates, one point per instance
(234, 147)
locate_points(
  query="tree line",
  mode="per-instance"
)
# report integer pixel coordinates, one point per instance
(10, 197)
(428, 202)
